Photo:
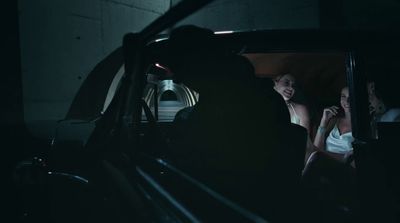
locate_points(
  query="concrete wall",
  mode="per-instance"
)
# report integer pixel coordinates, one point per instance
(62, 41)
(257, 14)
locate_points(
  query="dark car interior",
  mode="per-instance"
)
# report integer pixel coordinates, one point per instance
(119, 165)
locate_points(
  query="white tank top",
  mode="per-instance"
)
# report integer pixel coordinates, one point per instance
(294, 118)
(337, 143)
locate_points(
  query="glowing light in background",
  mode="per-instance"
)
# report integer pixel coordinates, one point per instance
(223, 32)
(158, 40)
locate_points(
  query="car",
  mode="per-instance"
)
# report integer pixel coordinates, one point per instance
(112, 163)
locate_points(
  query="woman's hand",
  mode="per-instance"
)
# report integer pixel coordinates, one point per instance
(320, 136)
(327, 114)
(348, 158)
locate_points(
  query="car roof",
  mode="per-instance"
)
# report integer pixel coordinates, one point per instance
(301, 40)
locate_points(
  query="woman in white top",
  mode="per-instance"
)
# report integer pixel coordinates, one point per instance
(334, 136)
(327, 175)
(285, 85)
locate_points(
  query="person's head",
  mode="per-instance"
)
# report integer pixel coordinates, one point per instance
(376, 105)
(191, 50)
(285, 85)
(345, 99)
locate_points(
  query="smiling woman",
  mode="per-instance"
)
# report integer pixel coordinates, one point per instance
(337, 122)
(320, 74)
(285, 85)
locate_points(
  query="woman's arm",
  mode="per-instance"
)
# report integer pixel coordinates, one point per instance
(312, 148)
(304, 116)
(320, 136)
(319, 140)
(325, 127)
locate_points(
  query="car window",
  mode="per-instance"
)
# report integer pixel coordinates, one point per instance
(382, 71)
(165, 97)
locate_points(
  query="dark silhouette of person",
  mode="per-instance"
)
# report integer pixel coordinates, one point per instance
(235, 138)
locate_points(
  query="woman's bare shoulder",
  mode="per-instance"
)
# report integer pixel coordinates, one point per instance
(300, 108)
